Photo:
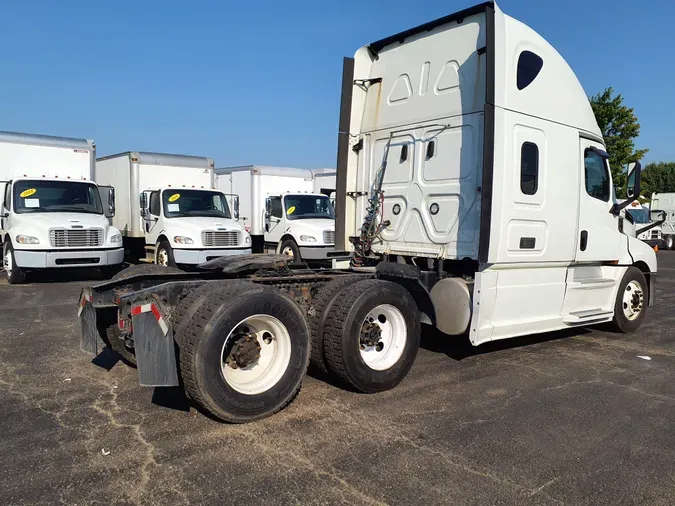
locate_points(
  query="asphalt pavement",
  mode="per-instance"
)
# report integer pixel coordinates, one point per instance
(574, 417)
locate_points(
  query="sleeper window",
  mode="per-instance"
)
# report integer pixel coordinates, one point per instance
(529, 66)
(529, 168)
(597, 176)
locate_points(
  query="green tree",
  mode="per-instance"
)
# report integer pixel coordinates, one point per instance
(658, 177)
(619, 127)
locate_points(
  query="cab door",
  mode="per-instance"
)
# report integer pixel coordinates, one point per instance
(599, 238)
(151, 220)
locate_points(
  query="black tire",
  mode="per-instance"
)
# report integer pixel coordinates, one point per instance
(117, 345)
(193, 300)
(342, 329)
(290, 243)
(621, 323)
(164, 245)
(204, 336)
(142, 269)
(109, 271)
(322, 301)
(15, 275)
(669, 242)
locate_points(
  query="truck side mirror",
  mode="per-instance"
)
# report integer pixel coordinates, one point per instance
(632, 187)
(633, 181)
(144, 205)
(235, 205)
(111, 202)
(268, 207)
(658, 217)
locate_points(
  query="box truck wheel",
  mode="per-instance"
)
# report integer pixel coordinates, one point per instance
(631, 301)
(244, 352)
(669, 242)
(322, 302)
(164, 255)
(15, 274)
(290, 249)
(371, 335)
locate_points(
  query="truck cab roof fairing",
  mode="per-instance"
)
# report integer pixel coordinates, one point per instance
(555, 94)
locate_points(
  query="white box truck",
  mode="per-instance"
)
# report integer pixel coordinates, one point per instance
(168, 210)
(640, 224)
(475, 194)
(53, 215)
(282, 211)
(324, 181)
(666, 202)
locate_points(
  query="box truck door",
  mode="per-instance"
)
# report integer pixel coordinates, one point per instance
(598, 231)
(5, 202)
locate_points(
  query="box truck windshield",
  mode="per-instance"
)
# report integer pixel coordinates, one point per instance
(31, 196)
(639, 215)
(194, 203)
(300, 207)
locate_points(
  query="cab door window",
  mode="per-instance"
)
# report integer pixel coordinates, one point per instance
(597, 176)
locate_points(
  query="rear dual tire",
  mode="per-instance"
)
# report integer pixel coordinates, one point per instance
(249, 322)
(371, 335)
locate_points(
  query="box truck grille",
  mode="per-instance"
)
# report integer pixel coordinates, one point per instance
(329, 236)
(85, 238)
(222, 239)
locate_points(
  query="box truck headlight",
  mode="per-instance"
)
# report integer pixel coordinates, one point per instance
(117, 238)
(181, 239)
(307, 238)
(27, 239)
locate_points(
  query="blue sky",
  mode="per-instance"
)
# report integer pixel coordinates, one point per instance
(259, 81)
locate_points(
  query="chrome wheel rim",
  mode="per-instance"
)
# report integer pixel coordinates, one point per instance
(256, 354)
(633, 300)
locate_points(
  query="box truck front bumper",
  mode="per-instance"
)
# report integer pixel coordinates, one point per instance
(315, 252)
(199, 256)
(64, 258)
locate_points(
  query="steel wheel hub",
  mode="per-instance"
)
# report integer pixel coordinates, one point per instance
(288, 251)
(162, 257)
(383, 337)
(256, 354)
(633, 300)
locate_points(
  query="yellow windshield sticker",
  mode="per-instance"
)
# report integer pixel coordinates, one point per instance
(174, 197)
(28, 192)
(291, 210)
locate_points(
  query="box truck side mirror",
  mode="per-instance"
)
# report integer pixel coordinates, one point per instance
(659, 217)
(235, 205)
(111, 202)
(144, 205)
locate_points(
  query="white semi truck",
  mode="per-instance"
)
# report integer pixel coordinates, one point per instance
(169, 211)
(53, 215)
(666, 202)
(473, 193)
(282, 209)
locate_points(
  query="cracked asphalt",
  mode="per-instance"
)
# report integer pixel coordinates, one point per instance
(573, 417)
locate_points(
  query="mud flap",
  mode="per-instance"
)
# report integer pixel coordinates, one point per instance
(154, 347)
(90, 342)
